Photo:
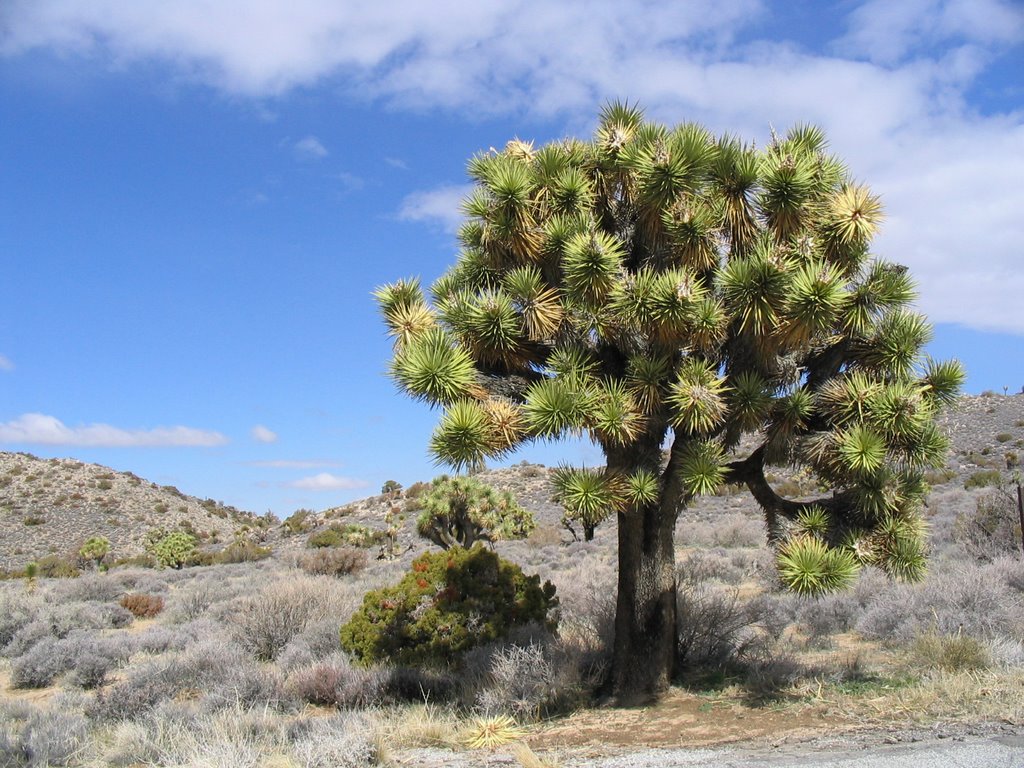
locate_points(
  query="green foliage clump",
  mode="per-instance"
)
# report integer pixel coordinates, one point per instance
(171, 550)
(448, 603)
(297, 522)
(349, 535)
(952, 653)
(54, 567)
(459, 511)
(983, 478)
(95, 549)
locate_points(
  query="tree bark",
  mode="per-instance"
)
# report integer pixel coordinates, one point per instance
(644, 654)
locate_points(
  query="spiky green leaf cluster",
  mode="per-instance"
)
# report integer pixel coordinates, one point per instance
(808, 566)
(589, 496)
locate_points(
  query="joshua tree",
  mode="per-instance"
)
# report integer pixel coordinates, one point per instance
(460, 511)
(666, 292)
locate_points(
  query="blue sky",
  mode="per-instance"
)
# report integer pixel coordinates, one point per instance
(197, 198)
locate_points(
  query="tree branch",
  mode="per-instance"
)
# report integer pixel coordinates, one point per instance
(750, 471)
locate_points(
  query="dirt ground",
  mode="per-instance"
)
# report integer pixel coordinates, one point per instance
(685, 719)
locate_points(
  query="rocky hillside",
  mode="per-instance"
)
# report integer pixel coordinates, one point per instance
(51, 506)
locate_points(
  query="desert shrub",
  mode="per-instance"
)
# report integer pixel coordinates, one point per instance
(55, 567)
(334, 682)
(265, 622)
(92, 657)
(773, 612)
(1008, 571)
(137, 580)
(40, 664)
(413, 492)
(450, 602)
(340, 561)
(526, 681)
(953, 653)
(91, 587)
(939, 476)
(16, 611)
(1006, 652)
(983, 478)
(43, 738)
(242, 551)
(992, 529)
(1004, 437)
(828, 615)
(27, 635)
(218, 668)
(135, 696)
(61, 620)
(317, 641)
(91, 670)
(970, 599)
(715, 628)
(341, 741)
(101, 616)
(350, 535)
(143, 560)
(704, 565)
(586, 601)
(731, 531)
(142, 606)
(160, 638)
(87, 656)
(171, 550)
(189, 602)
(297, 522)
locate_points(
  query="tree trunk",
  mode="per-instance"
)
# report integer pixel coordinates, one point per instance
(645, 612)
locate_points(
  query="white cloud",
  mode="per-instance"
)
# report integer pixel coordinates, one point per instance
(261, 434)
(442, 205)
(41, 429)
(893, 92)
(325, 481)
(6, 364)
(888, 30)
(310, 148)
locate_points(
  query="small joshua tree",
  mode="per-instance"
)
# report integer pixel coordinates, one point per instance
(666, 292)
(94, 550)
(460, 511)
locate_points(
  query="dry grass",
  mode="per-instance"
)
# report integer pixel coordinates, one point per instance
(419, 725)
(971, 696)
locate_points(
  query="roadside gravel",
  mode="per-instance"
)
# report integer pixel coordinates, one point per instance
(950, 745)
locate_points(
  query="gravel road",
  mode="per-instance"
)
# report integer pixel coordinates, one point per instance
(955, 745)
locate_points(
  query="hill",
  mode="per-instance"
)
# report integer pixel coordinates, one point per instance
(51, 506)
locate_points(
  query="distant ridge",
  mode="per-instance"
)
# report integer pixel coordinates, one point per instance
(51, 506)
